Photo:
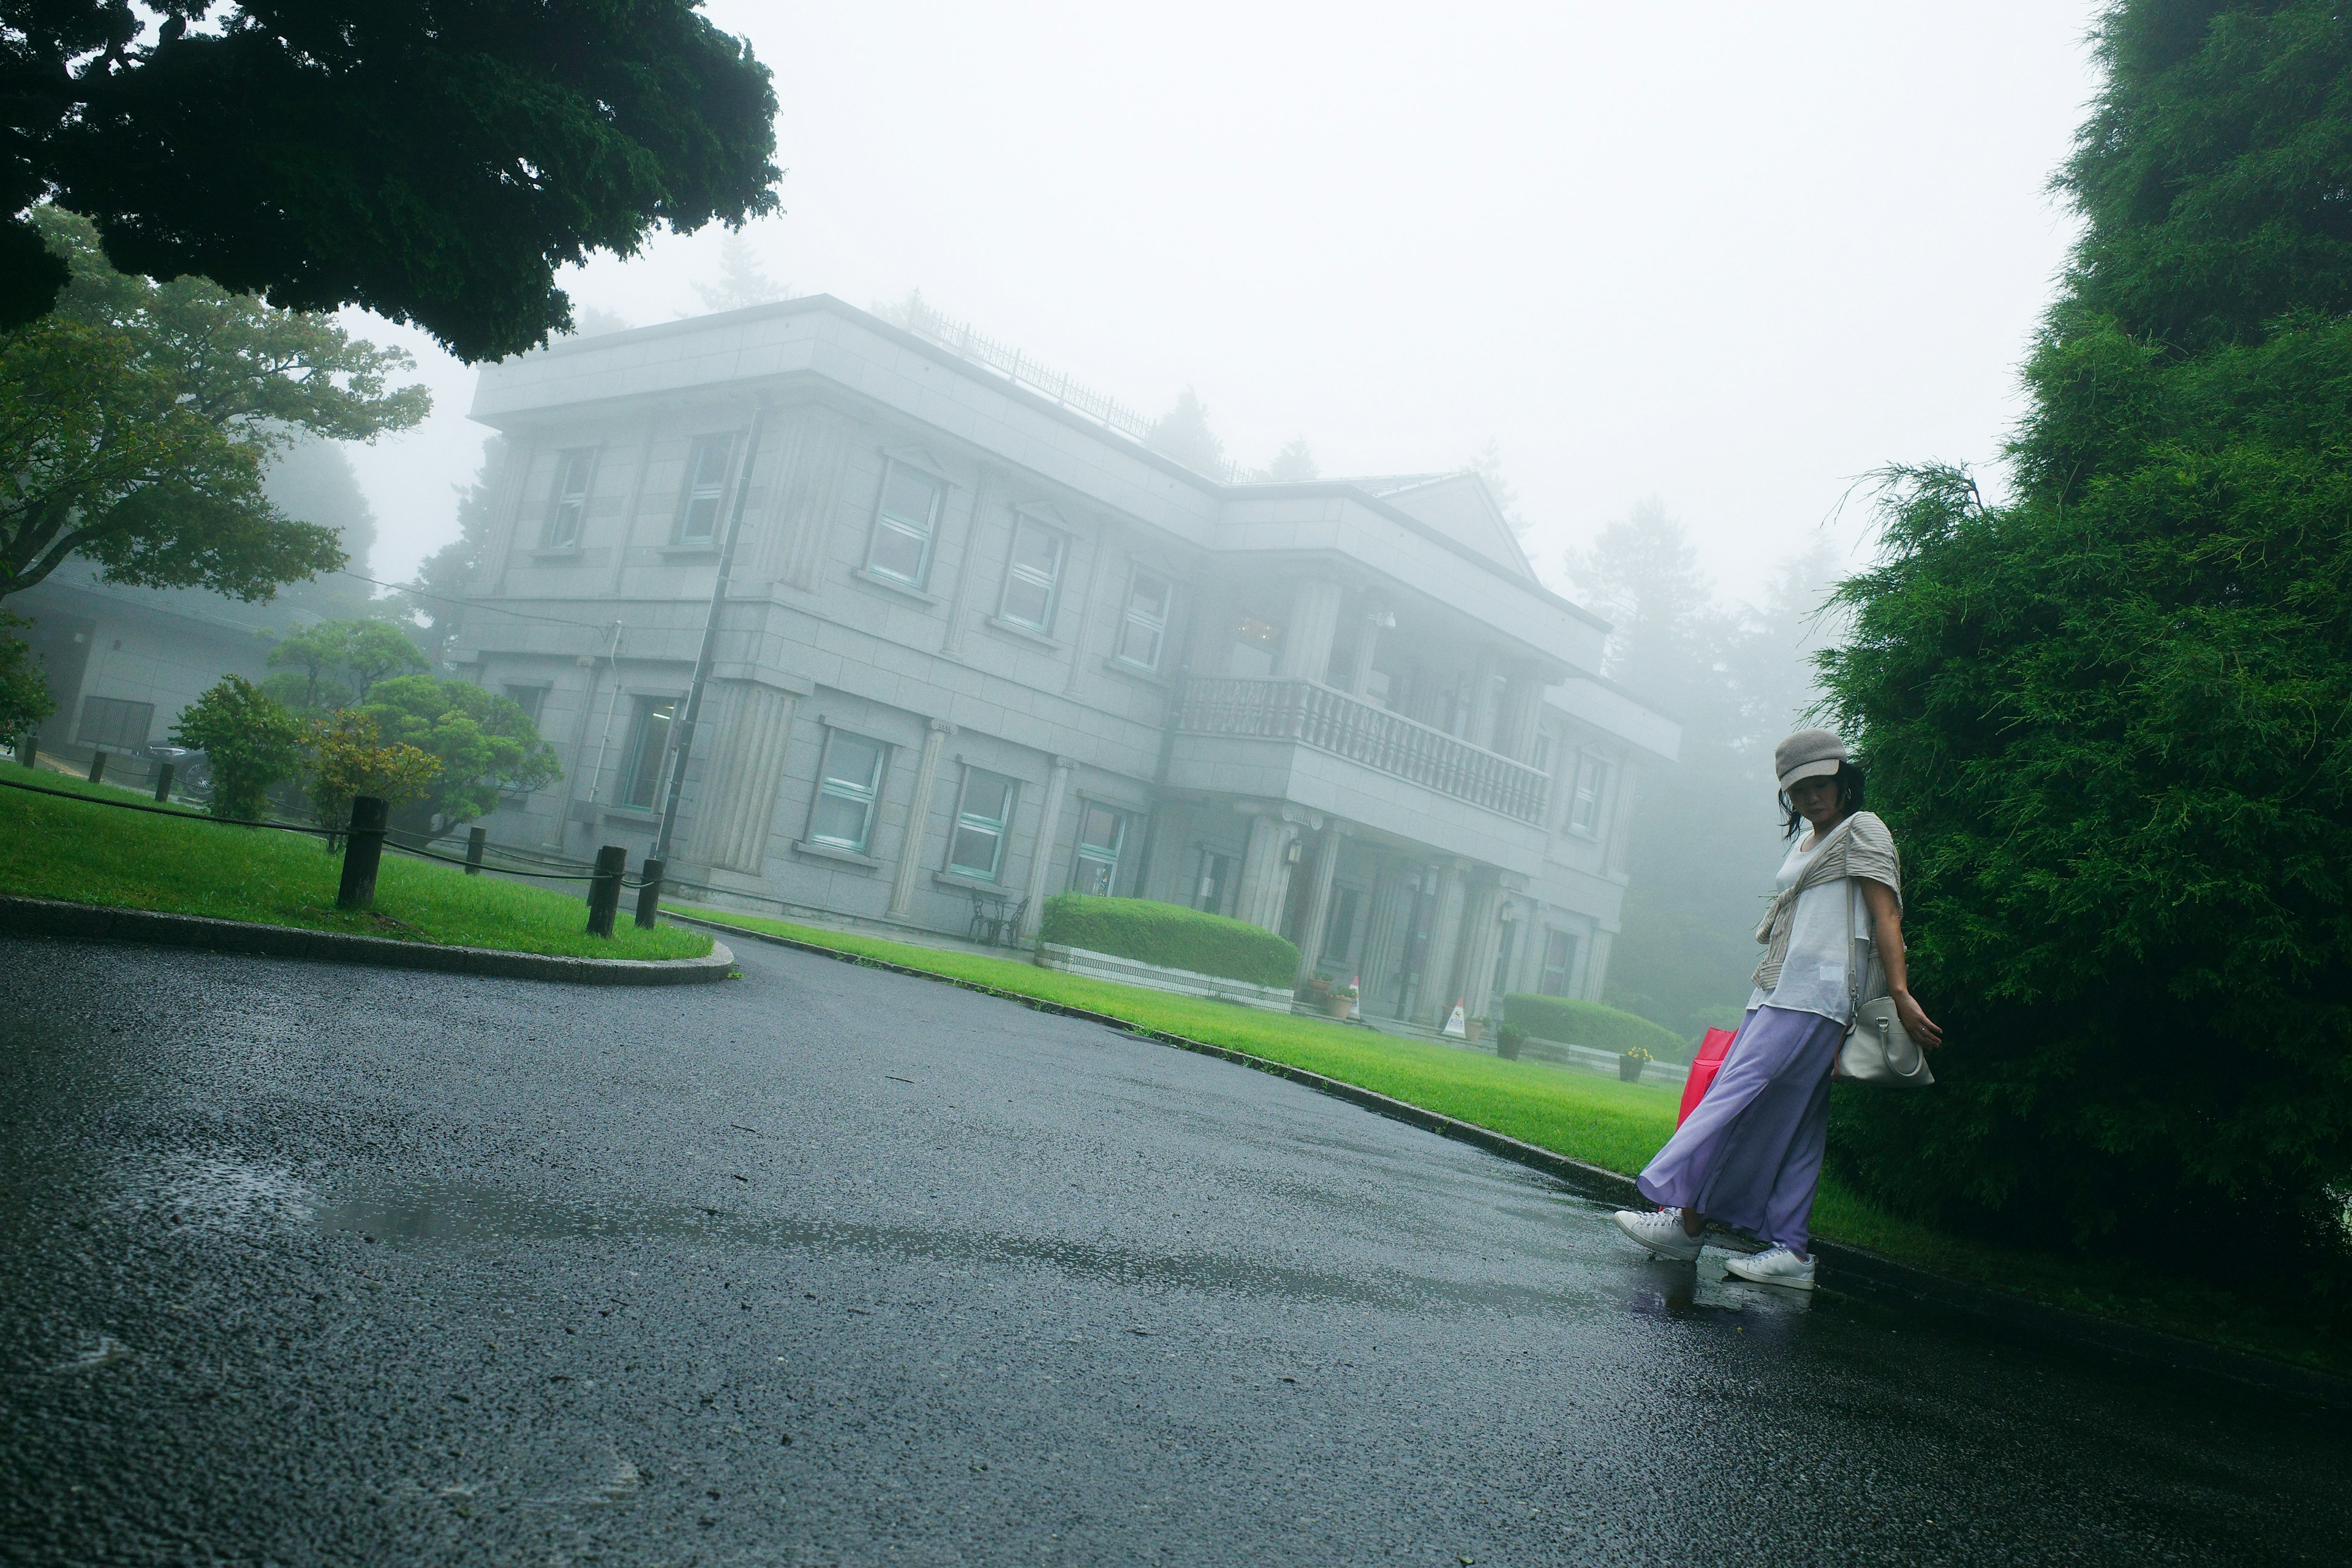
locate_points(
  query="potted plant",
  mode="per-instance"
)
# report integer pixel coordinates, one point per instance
(1340, 1000)
(1630, 1065)
(1478, 1028)
(1507, 1041)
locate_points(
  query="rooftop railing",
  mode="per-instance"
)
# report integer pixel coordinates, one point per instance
(1311, 714)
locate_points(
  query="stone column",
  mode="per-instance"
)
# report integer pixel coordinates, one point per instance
(919, 820)
(983, 496)
(1307, 637)
(1383, 926)
(1479, 728)
(1481, 932)
(1041, 860)
(1437, 992)
(1377, 619)
(738, 810)
(1514, 726)
(1315, 915)
(1265, 871)
(803, 502)
(1596, 966)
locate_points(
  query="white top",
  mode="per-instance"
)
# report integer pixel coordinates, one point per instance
(1813, 978)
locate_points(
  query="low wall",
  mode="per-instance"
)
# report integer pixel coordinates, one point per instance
(1152, 977)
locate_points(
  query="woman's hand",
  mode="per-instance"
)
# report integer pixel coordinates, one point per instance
(1916, 1022)
(1886, 924)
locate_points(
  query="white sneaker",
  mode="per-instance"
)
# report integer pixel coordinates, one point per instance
(1775, 1265)
(1659, 1233)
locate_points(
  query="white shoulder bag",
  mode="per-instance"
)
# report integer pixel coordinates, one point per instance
(1877, 1050)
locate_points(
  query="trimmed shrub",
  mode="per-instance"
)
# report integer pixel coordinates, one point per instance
(1573, 1023)
(1171, 936)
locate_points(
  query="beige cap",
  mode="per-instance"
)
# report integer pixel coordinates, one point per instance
(1808, 754)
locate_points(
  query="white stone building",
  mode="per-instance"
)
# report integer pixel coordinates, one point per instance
(978, 646)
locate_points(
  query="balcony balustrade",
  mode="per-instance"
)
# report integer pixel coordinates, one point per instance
(1307, 713)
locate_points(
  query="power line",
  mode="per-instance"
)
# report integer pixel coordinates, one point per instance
(474, 604)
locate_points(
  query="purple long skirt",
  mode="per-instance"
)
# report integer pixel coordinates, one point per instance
(1751, 1155)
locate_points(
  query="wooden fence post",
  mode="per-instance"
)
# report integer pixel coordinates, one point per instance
(477, 838)
(363, 852)
(604, 893)
(649, 893)
(97, 767)
(162, 783)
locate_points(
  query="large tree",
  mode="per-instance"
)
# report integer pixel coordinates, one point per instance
(434, 161)
(137, 422)
(2111, 720)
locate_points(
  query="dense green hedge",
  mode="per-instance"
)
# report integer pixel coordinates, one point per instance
(1573, 1023)
(1170, 935)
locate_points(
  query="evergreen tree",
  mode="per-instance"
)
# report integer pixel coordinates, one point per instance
(1293, 465)
(2108, 720)
(742, 281)
(437, 600)
(1183, 434)
(434, 163)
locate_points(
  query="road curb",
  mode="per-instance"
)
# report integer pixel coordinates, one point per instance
(1858, 1271)
(96, 922)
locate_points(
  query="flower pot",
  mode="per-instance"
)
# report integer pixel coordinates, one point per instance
(1340, 1006)
(1629, 1069)
(1507, 1043)
(1475, 1027)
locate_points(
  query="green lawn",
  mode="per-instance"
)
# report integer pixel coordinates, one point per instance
(1618, 1126)
(53, 848)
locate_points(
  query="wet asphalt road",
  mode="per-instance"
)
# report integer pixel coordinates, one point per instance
(307, 1265)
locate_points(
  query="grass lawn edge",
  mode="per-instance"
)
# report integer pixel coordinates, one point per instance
(2086, 1303)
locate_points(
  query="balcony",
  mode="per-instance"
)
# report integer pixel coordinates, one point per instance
(1305, 714)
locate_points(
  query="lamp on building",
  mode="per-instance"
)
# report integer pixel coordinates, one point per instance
(1290, 852)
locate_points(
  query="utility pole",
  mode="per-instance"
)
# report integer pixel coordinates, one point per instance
(682, 739)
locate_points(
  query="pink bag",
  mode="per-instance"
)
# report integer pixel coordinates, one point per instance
(1703, 1069)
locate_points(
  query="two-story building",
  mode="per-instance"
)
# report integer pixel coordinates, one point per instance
(978, 644)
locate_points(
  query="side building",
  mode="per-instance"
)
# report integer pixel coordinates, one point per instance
(976, 647)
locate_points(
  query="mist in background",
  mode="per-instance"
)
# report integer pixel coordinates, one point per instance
(1675, 278)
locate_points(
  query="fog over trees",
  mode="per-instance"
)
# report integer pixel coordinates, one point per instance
(1732, 665)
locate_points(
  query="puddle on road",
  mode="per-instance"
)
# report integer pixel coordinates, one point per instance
(215, 1192)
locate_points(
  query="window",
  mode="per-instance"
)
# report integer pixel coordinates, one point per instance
(1034, 576)
(1505, 946)
(706, 488)
(567, 504)
(1339, 930)
(1145, 626)
(1216, 878)
(115, 725)
(641, 783)
(903, 524)
(529, 698)
(1584, 801)
(982, 810)
(1256, 645)
(1559, 963)
(847, 785)
(1101, 831)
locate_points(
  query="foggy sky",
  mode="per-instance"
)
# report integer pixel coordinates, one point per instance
(1728, 255)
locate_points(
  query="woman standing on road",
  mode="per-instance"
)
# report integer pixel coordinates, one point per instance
(1750, 1156)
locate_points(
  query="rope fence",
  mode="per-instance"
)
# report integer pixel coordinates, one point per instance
(369, 835)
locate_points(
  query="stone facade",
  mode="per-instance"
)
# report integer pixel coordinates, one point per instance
(974, 645)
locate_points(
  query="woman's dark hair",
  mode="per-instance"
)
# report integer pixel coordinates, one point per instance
(1849, 782)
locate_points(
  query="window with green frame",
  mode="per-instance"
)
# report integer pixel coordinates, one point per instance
(1033, 578)
(1102, 833)
(849, 782)
(1143, 629)
(706, 488)
(983, 816)
(904, 522)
